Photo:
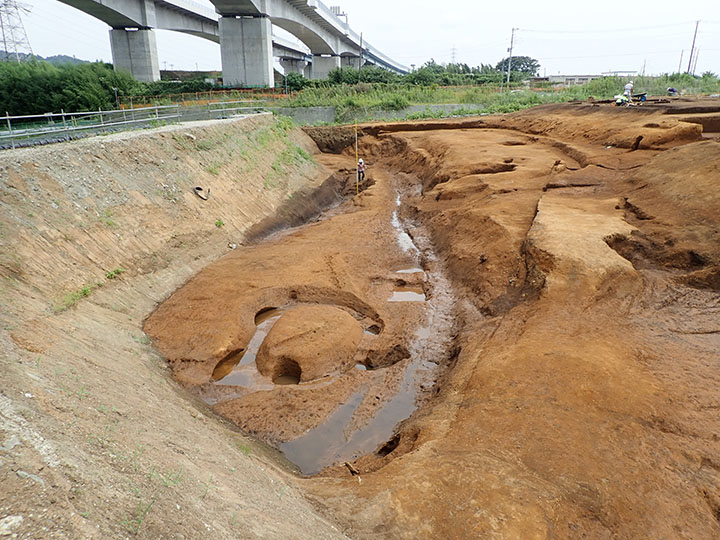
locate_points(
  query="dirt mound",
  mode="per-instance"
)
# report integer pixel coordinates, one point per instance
(674, 202)
(332, 140)
(308, 343)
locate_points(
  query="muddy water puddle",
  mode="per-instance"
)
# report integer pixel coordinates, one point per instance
(404, 240)
(240, 369)
(408, 294)
(408, 270)
(329, 443)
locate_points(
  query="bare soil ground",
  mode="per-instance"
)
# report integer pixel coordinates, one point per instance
(556, 374)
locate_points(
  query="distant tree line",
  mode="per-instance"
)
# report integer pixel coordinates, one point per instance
(36, 87)
(430, 73)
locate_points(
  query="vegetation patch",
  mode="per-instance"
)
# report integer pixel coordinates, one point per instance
(115, 273)
(70, 299)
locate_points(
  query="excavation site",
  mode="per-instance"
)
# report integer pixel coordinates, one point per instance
(508, 329)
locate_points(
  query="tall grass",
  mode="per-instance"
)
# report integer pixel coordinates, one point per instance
(360, 100)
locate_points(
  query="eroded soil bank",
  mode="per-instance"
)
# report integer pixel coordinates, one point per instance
(571, 389)
(96, 439)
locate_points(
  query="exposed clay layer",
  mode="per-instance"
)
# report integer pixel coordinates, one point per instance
(583, 400)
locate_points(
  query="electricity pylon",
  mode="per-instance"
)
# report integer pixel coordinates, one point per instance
(12, 31)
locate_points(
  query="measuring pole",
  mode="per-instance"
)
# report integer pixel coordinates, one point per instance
(692, 49)
(357, 162)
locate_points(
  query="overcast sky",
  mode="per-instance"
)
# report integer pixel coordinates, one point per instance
(565, 36)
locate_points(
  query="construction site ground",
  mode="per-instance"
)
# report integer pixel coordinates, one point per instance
(509, 330)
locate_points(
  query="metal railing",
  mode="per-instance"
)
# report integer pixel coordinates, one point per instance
(203, 97)
(39, 129)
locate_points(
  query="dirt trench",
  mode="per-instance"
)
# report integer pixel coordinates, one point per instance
(563, 244)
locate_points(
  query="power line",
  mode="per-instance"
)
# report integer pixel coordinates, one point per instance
(641, 53)
(616, 30)
(565, 38)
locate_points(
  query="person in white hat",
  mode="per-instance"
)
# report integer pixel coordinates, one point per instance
(361, 170)
(629, 90)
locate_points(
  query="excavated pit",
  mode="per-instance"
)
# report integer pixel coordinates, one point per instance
(310, 344)
(559, 380)
(531, 343)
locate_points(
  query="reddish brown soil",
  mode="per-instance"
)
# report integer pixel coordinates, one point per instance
(579, 397)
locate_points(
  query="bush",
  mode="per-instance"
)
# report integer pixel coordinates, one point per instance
(296, 82)
(37, 87)
(343, 76)
(161, 88)
(395, 102)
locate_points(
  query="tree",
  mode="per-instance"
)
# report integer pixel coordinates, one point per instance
(523, 64)
(422, 77)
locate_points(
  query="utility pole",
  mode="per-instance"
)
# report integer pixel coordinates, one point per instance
(512, 42)
(680, 63)
(453, 51)
(697, 55)
(692, 49)
(361, 53)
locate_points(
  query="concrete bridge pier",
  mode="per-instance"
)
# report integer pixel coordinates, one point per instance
(322, 65)
(293, 65)
(135, 51)
(351, 61)
(246, 51)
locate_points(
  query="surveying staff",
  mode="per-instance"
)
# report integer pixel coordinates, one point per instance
(361, 170)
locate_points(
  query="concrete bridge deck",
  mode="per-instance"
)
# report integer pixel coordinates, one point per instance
(244, 30)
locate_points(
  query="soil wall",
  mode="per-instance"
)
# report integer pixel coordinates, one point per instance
(96, 440)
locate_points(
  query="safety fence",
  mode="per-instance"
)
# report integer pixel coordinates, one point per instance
(33, 130)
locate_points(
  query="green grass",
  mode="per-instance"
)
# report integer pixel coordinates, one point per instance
(291, 156)
(106, 219)
(115, 273)
(358, 101)
(204, 145)
(70, 299)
